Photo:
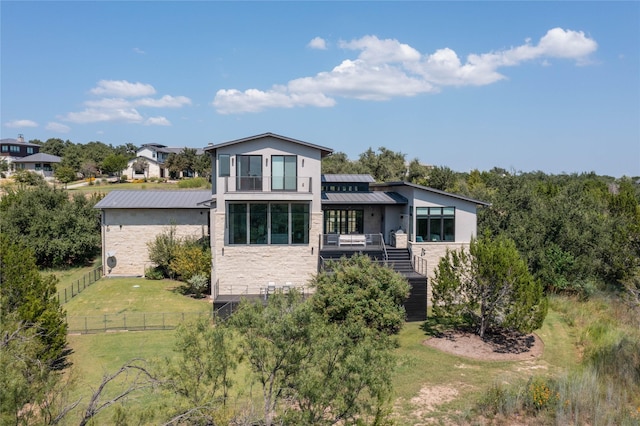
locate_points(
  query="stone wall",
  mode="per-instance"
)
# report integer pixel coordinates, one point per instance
(125, 235)
(433, 252)
(248, 269)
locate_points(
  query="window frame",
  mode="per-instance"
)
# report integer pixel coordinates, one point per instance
(224, 165)
(285, 182)
(258, 226)
(436, 224)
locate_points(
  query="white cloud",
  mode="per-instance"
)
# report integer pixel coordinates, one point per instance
(165, 102)
(139, 51)
(318, 43)
(17, 124)
(120, 102)
(385, 69)
(122, 88)
(157, 121)
(57, 127)
(94, 115)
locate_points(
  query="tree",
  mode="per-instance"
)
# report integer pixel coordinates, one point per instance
(385, 166)
(64, 174)
(114, 163)
(442, 178)
(203, 165)
(31, 296)
(488, 287)
(418, 173)
(200, 374)
(276, 339)
(338, 163)
(359, 293)
(175, 163)
(61, 231)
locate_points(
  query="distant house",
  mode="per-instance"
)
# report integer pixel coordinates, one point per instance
(150, 162)
(274, 219)
(15, 149)
(40, 163)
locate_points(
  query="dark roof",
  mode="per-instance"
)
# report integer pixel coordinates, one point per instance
(435, 191)
(150, 199)
(17, 142)
(324, 150)
(348, 178)
(374, 197)
(39, 158)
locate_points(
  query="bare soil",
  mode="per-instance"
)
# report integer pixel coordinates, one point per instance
(495, 347)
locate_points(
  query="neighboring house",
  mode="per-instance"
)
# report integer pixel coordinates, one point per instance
(274, 220)
(150, 162)
(16, 149)
(39, 163)
(132, 219)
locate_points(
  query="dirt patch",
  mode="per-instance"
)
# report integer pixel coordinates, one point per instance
(430, 397)
(499, 347)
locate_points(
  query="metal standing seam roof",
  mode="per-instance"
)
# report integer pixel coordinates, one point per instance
(433, 190)
(155, 200)
(375, 197)
(348, 178)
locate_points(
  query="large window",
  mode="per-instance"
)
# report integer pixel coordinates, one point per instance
(249, 172)
(5, 148)
(14, 148)
(284, 169)
(343, 221)
(268, 223)
(29, 150)
(436, 223)
(224, 165)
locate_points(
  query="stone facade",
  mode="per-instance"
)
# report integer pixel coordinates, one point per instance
(248, 269)
(126, 233)
(433, 252)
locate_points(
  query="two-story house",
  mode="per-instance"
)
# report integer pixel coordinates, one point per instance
(150, 161)
(274, 219)
(22, 155)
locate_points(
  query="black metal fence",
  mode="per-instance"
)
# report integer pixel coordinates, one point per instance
(77, 286)
(131, 321)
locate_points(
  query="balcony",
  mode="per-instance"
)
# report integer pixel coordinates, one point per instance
(234, 184)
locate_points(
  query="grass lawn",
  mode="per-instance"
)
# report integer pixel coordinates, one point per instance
(429, 385)
(107, 187)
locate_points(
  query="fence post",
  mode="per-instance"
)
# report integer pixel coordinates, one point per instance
(65, 295)
(86, 330)
(144, 321)
(105, 322)
(163, 320)
(124, 321)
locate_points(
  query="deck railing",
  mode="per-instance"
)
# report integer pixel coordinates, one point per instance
(267, 184)
(352, 241)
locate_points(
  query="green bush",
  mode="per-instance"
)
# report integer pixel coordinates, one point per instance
(196, 286)
(153, 273)
(197, 182)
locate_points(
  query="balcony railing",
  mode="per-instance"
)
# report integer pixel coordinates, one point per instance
(352, 241)
(267, 184)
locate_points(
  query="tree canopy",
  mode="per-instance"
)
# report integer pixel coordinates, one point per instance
(488, 287)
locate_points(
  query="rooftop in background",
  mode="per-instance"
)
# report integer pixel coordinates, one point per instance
(325, 151)
(155, 200)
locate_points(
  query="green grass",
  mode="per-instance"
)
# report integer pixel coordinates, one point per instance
(105, 188)
(69, 276)
(118, 295)
(421, 370)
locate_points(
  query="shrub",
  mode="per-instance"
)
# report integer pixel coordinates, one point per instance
(152, 273)
(197, 286)
(191, 258)
(193, 183)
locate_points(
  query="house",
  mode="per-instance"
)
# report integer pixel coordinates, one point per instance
(15, 149)
(132, 219)
(40, 163)
(273, 210)
(150, 162)
(274, 219)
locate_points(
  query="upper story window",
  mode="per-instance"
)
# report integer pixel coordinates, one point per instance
(29, 150)
(224, 165)
(268, 223)
(284, 170)
(14, 148)
(5, 148)
(435, 224)
(249, 172)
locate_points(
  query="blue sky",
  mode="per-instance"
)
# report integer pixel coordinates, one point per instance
(550, 86)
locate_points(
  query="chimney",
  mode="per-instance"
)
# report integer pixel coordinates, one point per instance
(20, 137)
